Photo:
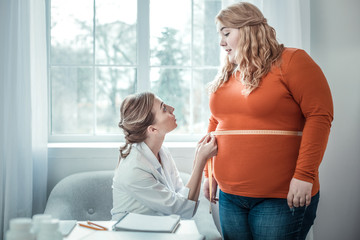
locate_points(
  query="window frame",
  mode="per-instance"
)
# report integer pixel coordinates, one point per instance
(143, 67)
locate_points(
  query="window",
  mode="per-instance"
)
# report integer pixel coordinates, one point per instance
(100, 51)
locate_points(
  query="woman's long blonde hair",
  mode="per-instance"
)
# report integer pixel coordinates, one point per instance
(135, 117)
(257, 48)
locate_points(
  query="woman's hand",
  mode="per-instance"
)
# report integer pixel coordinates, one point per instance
(214, 190)
(299, 193)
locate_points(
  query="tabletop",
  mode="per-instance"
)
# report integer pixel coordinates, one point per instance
(187, 230)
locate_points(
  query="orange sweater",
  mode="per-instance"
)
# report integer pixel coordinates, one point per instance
(292, 97)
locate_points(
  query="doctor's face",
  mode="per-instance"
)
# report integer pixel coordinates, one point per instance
(165, 120)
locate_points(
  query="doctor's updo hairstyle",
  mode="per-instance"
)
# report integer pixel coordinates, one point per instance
(135, 117)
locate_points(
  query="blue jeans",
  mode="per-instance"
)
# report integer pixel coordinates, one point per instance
(249, 218)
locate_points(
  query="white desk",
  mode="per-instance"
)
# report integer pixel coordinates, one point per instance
(186, 231)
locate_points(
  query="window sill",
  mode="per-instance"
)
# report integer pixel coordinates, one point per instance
(116, 145)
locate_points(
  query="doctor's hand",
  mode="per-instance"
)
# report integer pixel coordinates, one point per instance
(299, 193)
(206, 148)
(214, 190)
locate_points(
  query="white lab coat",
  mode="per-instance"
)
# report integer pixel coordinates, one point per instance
(142, 185)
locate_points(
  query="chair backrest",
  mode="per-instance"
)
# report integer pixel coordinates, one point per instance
(82, 196)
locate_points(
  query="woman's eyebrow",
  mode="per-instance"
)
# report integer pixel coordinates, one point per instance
(162, 103)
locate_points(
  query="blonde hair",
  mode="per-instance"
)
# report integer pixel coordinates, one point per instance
(135, 117)
(257, 48)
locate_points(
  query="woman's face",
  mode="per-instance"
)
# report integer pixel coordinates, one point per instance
(229, 38)
(165, 120)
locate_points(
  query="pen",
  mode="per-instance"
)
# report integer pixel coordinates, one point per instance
(91, 223)
(99, 228)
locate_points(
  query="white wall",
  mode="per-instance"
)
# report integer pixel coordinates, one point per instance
(335, 46)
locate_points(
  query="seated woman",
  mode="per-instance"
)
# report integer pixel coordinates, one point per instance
(146, 179)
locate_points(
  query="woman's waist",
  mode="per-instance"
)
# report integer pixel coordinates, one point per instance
(252, 165)
(247, 146)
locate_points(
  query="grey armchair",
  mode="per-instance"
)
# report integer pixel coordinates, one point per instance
(88, 196)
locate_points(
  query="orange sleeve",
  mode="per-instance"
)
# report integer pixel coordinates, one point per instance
(310, 90)
(212, 127)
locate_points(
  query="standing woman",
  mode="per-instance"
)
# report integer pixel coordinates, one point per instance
(271, 112)
(146, 179)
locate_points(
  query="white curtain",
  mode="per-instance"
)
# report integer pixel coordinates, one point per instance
(290, 18)
(23, 110)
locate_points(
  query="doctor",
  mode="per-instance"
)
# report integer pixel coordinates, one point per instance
(146, 179)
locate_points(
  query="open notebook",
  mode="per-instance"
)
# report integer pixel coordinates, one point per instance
(147, 223)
